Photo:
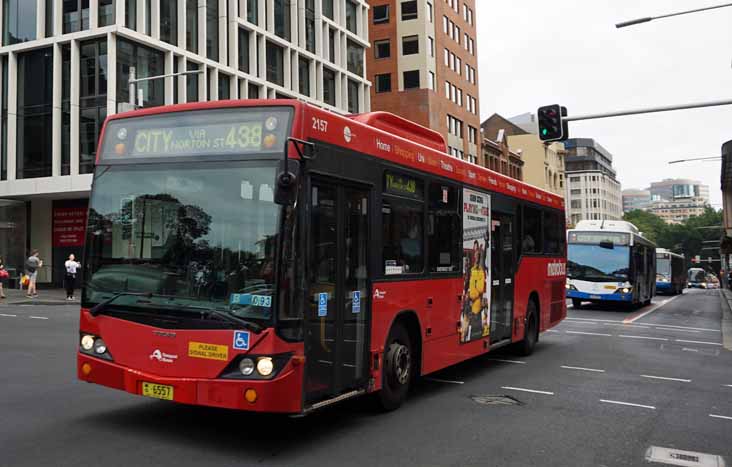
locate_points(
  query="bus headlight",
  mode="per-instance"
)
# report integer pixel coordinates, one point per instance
(626, 290)
(87, 342)
(100, 347)
(265, 366)
(246, 366)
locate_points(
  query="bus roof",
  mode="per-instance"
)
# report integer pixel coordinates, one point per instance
(381, 135)
(609, 225)
(664, 251)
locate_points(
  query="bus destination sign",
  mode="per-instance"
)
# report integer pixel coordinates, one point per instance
(219, 132)
(595, 238)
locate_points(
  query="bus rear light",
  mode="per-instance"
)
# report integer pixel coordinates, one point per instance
(250, 395)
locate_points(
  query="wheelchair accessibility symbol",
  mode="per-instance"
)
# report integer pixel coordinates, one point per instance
(241, 340)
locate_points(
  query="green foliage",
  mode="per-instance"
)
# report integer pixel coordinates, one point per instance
(687, 238)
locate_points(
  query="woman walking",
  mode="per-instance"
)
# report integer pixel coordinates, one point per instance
(3, 277)
(70, 279)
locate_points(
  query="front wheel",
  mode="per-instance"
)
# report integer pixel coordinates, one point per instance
(398, 369)
(576, 303)
(526, 346)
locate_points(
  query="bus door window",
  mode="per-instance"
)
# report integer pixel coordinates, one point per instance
(531, 236)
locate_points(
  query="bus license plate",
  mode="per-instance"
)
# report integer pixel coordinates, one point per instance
(158, 391)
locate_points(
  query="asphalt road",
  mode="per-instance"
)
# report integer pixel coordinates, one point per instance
(601, 389)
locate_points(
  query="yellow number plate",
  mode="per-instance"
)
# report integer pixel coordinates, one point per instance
(158, 391)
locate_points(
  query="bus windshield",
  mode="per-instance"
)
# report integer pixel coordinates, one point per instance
(189, 235)
(596, 263)
(663, 266)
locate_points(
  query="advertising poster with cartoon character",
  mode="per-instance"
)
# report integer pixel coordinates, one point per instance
(475, 312)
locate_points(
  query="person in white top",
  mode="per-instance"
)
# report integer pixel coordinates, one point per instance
(70, 279)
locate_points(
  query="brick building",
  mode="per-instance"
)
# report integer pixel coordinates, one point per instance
(423, 66)
(500, 158)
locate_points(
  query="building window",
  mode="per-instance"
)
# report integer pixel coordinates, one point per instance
(169, 21)
(409, 10)
(35, 114)
(244, 50)
(304, 72)
(19, 21)
(105, 13)
(329, 88)
(131, 13)
(275, 64)
(224, 87)
(282, 19)
(252, 91)
(431, 46)
(383, 83)
(410, 45)
(252, 11)
(147, 62)
(353, 97)
(351, 21)
(381, 14)
(432, 81)
(430, 13)
(411, 79)
(65, 109)
(192, 82)
(332, 45)
(212, 30)
(382, 49)
(50, 16)
(310, 25)
(355, 58)
(327, 9)
(75, 15)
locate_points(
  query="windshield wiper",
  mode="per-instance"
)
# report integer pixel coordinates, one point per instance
(251, 325)
(101, 306)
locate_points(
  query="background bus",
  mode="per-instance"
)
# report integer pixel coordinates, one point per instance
(610, 261)
(273, 256)
(697, 278)
(670, 272)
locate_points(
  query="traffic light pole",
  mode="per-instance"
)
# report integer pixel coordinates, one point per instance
(648, 110)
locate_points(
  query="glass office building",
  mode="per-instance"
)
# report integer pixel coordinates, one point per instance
(65, 65)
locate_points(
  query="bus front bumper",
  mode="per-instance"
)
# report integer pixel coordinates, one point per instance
(281, 394)
(611, 297)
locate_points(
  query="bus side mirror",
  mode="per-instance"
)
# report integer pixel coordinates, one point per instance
(286, 183)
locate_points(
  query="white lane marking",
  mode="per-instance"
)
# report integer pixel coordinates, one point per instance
(728, 385)
(666, 378)
(680, 327)
(8, 316)
(687, 349)
(628, 403)
(582, 368)
(643, 337)
(551, 330)
(676, 330)
(438, 380)
(595, 319)
(639, 326)
(589, 333)
(507, 361)
(536, 391)
(720, 416)
(653, 308)
(698, 342)
(37, 317)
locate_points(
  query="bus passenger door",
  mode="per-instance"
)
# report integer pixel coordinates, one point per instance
(338, 314)
(502, 274)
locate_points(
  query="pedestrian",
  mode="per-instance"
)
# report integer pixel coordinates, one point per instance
(32, 264)
(70, 279)
(3, 277)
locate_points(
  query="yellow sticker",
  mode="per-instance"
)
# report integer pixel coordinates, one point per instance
(610, 287)
(208, 351)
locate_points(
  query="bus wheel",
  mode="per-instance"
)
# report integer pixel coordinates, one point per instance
(397, 370)
(526, 346)
(576, 303)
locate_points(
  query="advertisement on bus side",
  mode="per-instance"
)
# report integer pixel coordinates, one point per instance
(475, 312)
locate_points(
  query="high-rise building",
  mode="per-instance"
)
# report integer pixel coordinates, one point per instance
(672, 189)
(634, 198)
(423, 64)
(65, 64)
(593, 191)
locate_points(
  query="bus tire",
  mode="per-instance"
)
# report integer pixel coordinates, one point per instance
(527, 345)
(576, 303)
(397, 371)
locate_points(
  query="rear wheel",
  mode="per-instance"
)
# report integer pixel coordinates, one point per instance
(527, 345)
(576, 303)
(398, 367)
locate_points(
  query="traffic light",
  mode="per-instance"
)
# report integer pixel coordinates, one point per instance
(551, 126)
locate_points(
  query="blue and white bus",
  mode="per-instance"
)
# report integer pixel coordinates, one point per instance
(670, 272)
(610, 261)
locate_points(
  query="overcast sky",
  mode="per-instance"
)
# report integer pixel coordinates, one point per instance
(534, 52)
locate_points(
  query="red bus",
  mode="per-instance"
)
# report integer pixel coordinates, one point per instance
(267, 255)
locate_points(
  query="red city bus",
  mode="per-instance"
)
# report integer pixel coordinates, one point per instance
(267, 255)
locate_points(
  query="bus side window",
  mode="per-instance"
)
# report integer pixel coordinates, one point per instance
(554, 232)
(403, 236)
(531, 235)
(443, 228)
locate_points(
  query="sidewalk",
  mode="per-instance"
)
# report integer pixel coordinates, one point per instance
(45, 297)
(726, 299)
